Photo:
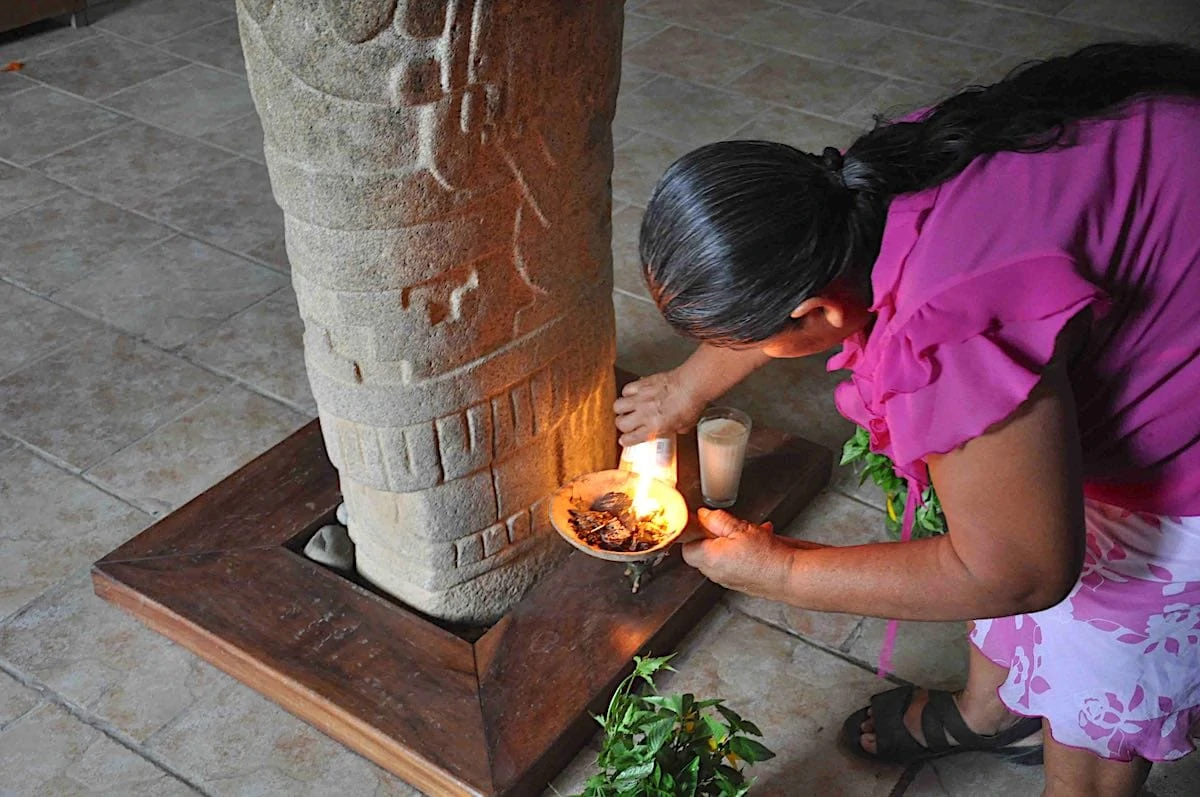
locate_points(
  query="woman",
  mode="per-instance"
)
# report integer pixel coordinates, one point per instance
(1014, 277)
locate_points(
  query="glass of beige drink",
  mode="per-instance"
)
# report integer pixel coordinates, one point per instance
(722, 435)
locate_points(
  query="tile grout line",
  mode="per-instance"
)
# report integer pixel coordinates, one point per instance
(176, 231)
(192, 61)
(97, 723)
(846, 657)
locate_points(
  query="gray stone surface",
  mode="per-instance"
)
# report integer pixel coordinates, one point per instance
(331, 546)
(447, 217)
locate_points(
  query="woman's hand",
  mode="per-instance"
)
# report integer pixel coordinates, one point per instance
(742, 556)
(658, 404)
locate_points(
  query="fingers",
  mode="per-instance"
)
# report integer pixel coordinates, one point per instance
(631, 389)
(719, 522)
(696, 554)
(632, 438)
(769, 526)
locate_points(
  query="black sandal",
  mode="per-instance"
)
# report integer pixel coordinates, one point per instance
(894, 744)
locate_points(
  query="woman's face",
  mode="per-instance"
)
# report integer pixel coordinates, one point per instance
(818, 325)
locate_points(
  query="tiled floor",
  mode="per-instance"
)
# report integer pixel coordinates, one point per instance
(149, 345)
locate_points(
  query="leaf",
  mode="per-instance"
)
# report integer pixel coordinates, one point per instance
(658, 733)
(645, 667)
(732, 717)
(688, 780)
(718, 731)
(636, 772)
(751, 728)
(749, 750)
(13, 66)
(672, 703)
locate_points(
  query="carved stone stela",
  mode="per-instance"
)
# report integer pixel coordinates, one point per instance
(443, 166)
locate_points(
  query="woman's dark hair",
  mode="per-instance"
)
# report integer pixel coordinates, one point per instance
(738, 233)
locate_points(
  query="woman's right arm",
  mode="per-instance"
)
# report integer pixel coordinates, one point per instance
(672, 401)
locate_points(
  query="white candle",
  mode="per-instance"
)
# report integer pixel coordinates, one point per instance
(722, 437)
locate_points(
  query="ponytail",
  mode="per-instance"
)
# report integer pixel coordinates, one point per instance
(738, 233)
(1031, 110)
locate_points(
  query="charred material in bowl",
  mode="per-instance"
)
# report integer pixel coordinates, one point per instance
(610, 524)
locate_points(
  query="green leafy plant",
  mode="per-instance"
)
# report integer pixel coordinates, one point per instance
(671, 745)
(928, 520)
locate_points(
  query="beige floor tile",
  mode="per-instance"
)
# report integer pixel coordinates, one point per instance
(801, 130)
(645, 344)
(32, 327)
(572, 779)
(21, 188)
(925, 60)
(54, 245)
(927, 654)
(1154, 17)
(845, 481)
(1033, 35)
(132, 163)
(926, 783)
(695, 55)
(41, 37)
(892, 100)
(55, 524)
(805, 32)
(633, 77)
(999, 69)
(977, 775)
(627, 264)
(716, 16)
(831, 519)
(808, 85)
(932, 17)
(639, 163)
(100, 66)
(243, 136)
(154, 20)
(262, 346)
(638, 28)
(1039, 6)
(13, 82)
(15, 700)
(191, 101)
(1175, 779)
(49, 753)
(796, 694)
(236, 742)
(686, 112)
(828, 6)
(622, 135)
(102, 660)
(231, 207)
(93, 398)
(191, 453)
(40, 121)
(172, 292)
(218, 44)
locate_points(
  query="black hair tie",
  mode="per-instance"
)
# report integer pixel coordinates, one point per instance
(832, 160)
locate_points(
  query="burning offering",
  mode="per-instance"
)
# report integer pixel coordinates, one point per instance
(611, 523)
(619, 515)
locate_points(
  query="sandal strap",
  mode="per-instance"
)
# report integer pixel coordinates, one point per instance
(892, 739)
(941, 714)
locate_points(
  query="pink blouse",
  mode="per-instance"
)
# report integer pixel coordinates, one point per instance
(976, 278)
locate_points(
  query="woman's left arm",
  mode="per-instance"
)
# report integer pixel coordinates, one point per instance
(1013, 500)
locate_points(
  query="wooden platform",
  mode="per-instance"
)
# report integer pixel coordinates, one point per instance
(497, 716)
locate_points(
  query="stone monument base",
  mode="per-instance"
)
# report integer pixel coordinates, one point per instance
(496, 711)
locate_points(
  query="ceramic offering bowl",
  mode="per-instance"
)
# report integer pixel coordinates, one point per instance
(583, 493)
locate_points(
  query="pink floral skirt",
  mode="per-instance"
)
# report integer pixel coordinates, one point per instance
(1114, 668)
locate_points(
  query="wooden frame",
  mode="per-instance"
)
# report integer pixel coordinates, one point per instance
(499, 715)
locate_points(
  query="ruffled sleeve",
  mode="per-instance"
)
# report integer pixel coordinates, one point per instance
(968, 357)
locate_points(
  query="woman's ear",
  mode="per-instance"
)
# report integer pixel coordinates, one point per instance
(830, 309)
